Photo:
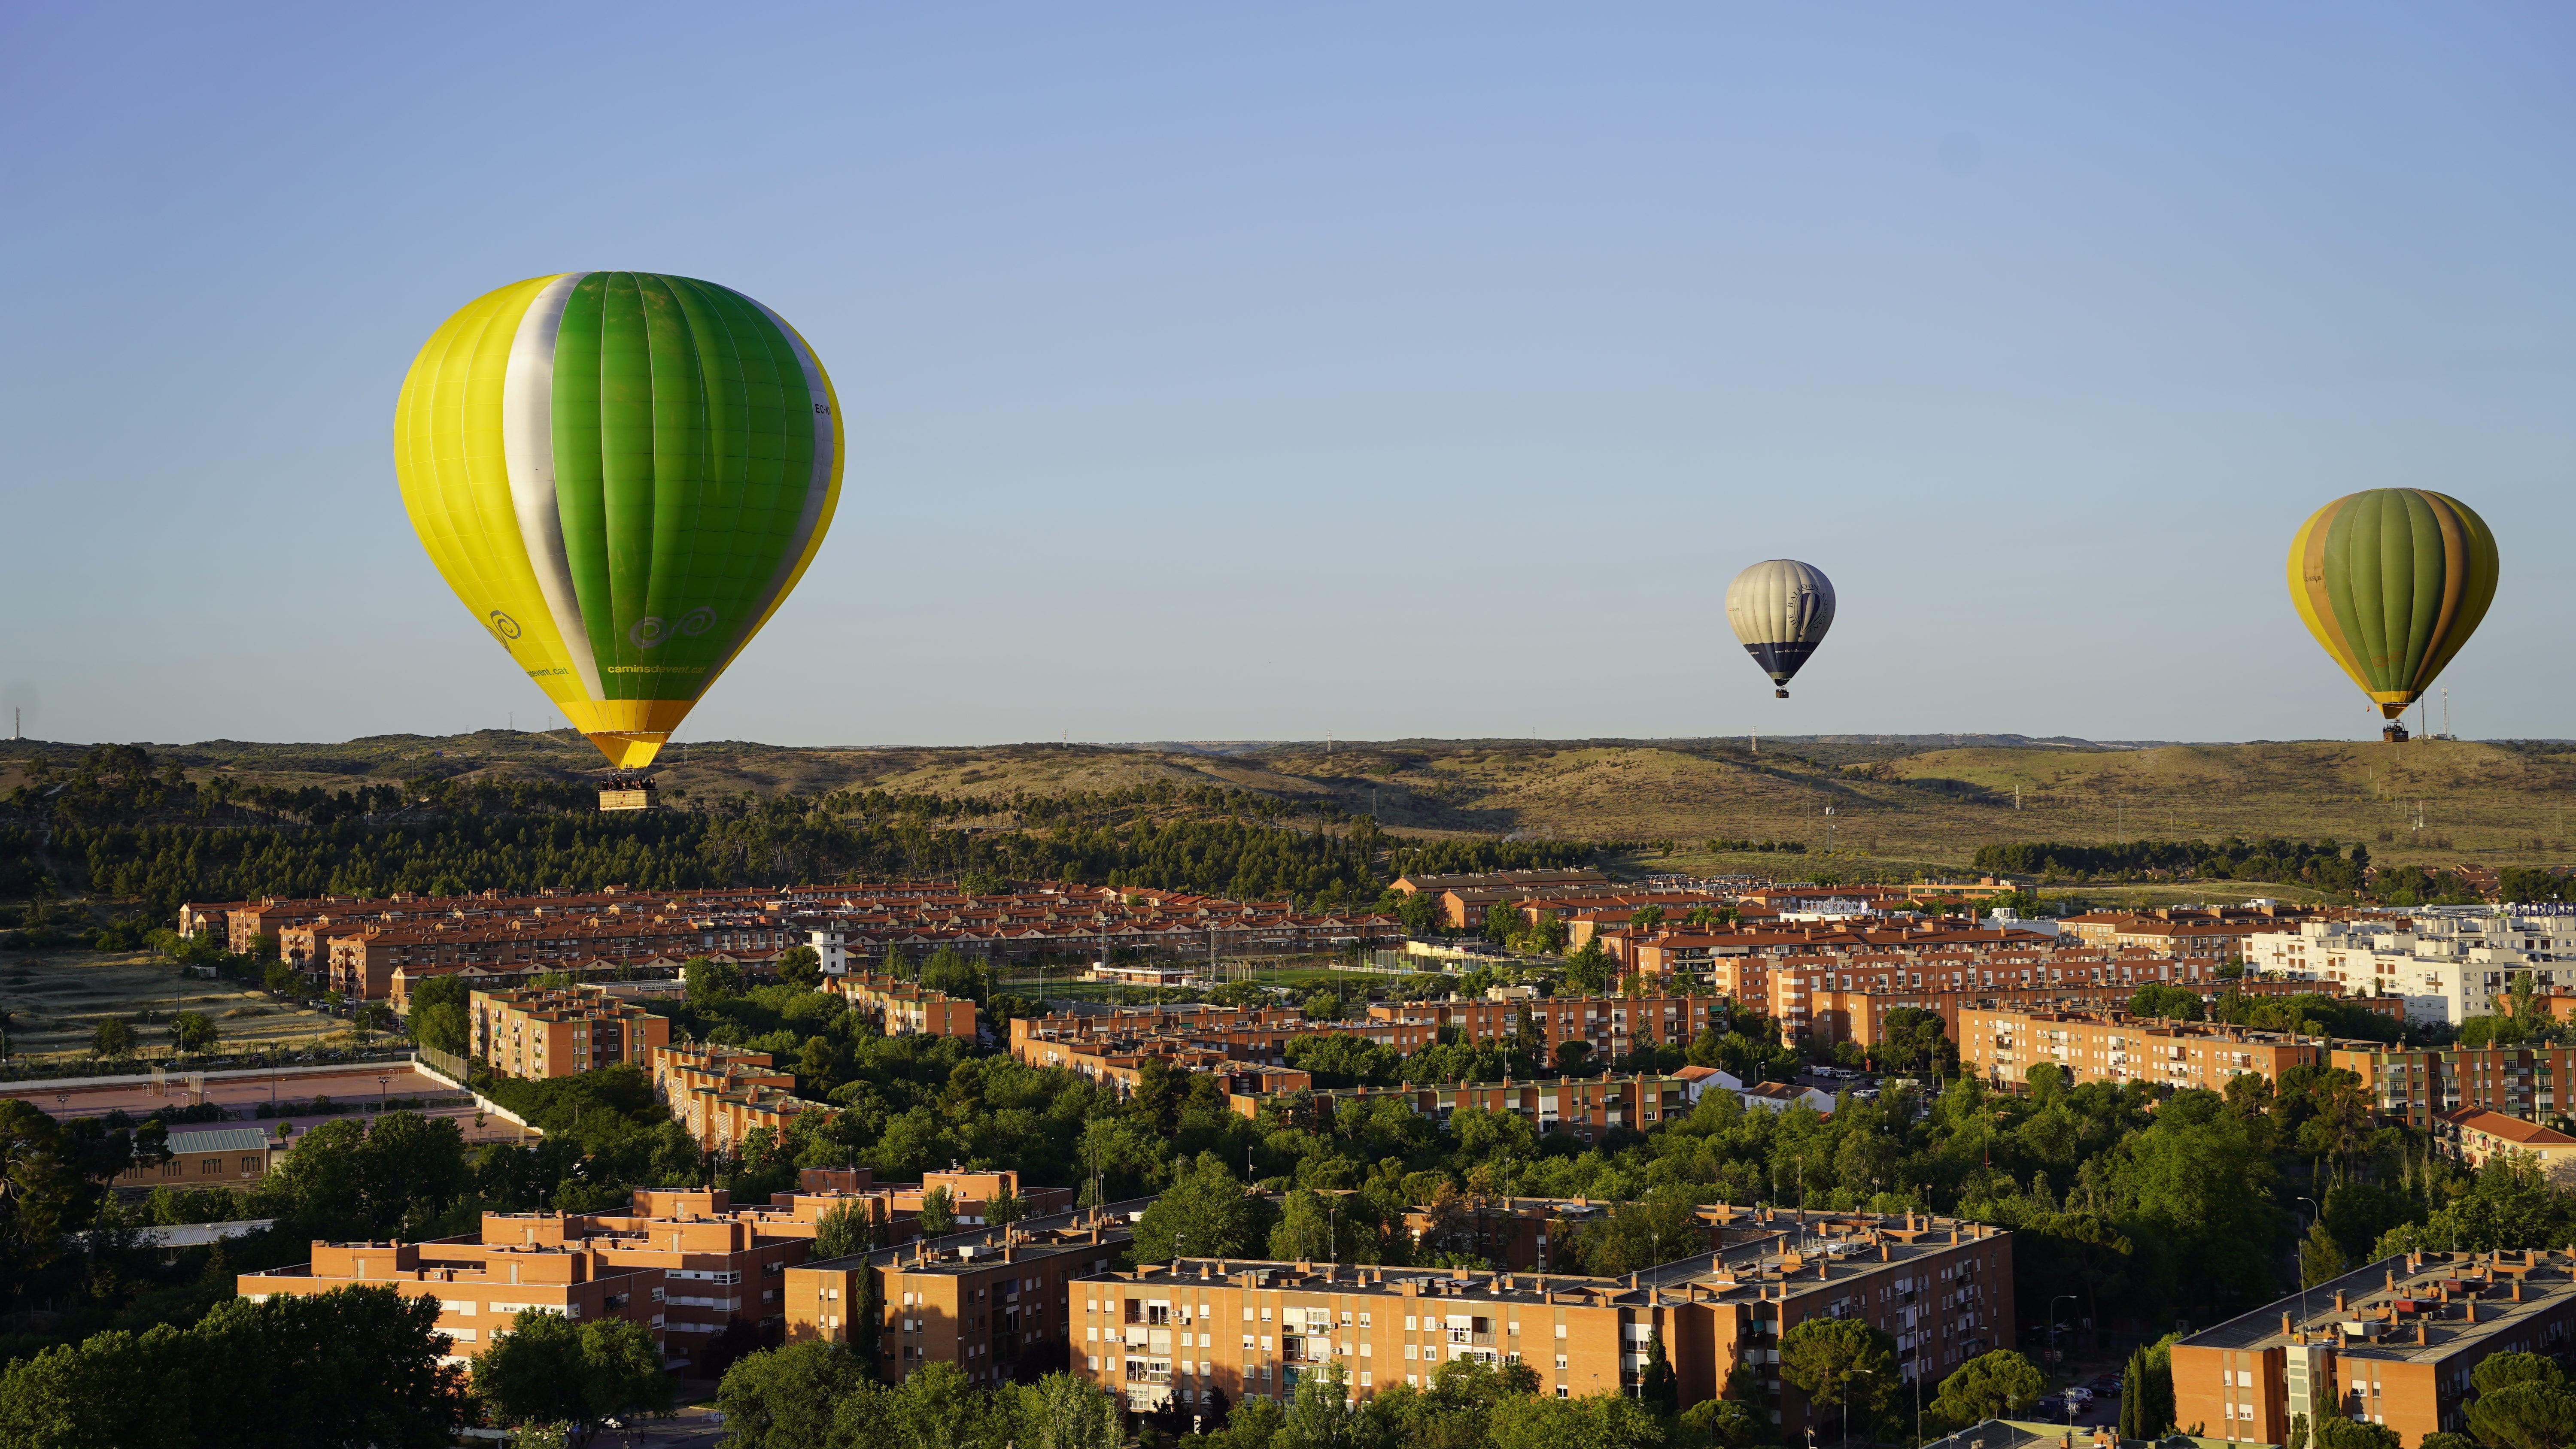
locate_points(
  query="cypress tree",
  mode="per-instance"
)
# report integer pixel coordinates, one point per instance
(2133, 1397)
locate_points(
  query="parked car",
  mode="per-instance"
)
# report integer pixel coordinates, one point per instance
(2078, 1395)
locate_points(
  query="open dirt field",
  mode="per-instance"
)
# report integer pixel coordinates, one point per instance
(56, 998)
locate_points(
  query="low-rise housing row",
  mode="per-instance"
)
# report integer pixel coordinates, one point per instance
(1102, 930)
(1666, 950)
(243, 922)
(2220, 931)
(1218, 1038)
(362, 963)
(1586, 1107)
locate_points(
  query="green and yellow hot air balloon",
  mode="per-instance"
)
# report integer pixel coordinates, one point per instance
(621, 474)
(2392, 582)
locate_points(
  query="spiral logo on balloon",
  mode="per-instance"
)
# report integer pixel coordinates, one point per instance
(652, 631)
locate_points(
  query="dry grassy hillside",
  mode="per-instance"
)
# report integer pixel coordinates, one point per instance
(1891, 801)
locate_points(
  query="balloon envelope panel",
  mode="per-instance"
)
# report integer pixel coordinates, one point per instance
(621, 474)
(1780, 609)
(2392, 582)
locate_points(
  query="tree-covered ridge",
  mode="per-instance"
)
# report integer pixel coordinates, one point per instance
(2323, 864)
(117, 828)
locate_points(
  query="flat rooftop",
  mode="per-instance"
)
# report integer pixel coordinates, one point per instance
(1045, 1233)
(2458, 1301)
(1787, 1251)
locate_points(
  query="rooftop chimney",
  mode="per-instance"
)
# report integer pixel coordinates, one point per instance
(2423, 1333)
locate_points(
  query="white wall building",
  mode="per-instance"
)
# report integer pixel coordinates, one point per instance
(2008, 919)
(2448, 966)
(1781, 1096)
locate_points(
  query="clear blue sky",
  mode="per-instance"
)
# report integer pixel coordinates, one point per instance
(1253, 371)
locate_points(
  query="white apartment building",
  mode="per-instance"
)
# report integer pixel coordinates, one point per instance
(2448, 965)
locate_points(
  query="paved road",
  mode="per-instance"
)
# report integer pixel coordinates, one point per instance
(693, 1428)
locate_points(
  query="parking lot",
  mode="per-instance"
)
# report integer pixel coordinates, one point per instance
(2094, 1401)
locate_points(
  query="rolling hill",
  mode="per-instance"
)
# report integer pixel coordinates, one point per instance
(1896, 802)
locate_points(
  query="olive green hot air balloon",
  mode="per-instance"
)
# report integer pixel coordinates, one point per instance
(2392, 582)
(621, 475)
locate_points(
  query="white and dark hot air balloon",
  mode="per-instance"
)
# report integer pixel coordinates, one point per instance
(1781, 609)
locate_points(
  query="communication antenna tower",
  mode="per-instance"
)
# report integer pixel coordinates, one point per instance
(2446, 712)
